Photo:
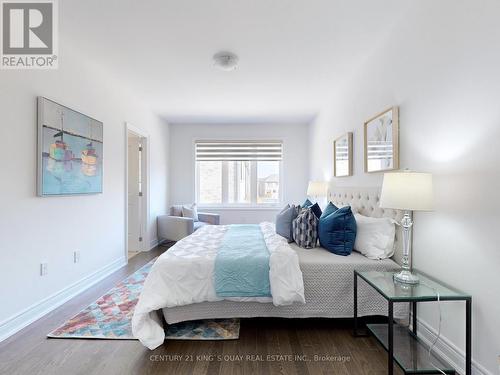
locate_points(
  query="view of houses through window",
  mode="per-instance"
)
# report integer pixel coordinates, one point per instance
(238, 182)
(268, 181)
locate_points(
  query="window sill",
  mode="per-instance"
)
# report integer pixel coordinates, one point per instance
(239, 208)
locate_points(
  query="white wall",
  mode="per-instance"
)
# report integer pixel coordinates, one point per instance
(34, 229)
(295, 162)
(440, 65)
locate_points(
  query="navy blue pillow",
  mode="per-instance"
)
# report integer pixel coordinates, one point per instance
(307, 203)
(330, 209)
(337, 231)
(316, 209)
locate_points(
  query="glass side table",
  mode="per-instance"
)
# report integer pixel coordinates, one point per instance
(402, 344)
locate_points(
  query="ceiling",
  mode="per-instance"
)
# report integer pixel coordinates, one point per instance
(292, 53)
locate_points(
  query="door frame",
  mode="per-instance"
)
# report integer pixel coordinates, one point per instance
(145, 168)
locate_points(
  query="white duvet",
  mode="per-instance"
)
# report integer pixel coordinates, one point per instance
(184, 275)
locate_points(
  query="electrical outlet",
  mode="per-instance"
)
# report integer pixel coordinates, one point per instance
(44, 269)
(76, 256)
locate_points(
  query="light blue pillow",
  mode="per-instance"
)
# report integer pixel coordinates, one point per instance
(284, 221)
(337, 231)
(330, 209)
(307, 203)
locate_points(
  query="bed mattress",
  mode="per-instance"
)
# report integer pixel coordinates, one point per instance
(328, 287)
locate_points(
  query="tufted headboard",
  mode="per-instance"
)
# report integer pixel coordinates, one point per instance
(366, 202)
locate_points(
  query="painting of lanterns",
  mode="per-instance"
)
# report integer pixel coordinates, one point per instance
(70, 147)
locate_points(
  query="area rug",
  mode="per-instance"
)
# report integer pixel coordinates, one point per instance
(110, 317)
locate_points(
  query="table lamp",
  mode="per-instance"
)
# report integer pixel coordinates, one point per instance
(407, 191)
(317, 189)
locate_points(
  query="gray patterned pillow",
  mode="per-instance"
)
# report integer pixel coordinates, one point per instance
(305, 229)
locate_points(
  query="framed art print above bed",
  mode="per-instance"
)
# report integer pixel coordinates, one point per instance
(342, 156)
(70, 151)
(381, 141)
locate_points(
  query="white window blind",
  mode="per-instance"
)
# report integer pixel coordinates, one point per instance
(239, 150)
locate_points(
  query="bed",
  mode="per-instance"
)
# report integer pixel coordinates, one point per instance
(327, 280)
(328, 291)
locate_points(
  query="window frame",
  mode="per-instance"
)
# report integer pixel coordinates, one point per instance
(254, 180)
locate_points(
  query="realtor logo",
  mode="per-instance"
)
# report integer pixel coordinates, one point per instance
(29, 34)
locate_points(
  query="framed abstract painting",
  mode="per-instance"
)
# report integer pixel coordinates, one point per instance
(70, 151)
(342, 156)
(381, 138)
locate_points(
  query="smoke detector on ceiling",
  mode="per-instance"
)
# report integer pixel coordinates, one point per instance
(225, 60)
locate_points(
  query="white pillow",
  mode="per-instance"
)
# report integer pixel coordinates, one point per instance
(190, 211)
(375, 236)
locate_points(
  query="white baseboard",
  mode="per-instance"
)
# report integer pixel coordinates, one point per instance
(153, 243)
(447, 350)
(17, 322)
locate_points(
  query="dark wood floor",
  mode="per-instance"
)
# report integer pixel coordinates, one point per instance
(266, 346)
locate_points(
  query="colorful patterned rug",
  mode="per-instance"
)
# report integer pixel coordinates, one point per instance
(110, 317)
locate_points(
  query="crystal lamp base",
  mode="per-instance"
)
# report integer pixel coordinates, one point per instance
(406, 277)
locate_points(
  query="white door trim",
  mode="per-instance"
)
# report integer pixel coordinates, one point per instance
(145, 170)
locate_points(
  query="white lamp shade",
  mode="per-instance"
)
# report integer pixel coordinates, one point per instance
(407, 191)
(317, 189)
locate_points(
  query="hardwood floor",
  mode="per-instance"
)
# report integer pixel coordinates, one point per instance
(132, 254)
(266, 346)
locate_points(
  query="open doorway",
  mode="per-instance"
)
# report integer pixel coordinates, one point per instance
(136, 188)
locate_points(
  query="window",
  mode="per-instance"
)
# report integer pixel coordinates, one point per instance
(239, 181)
(238, 173)
(210, 182)
(268, 181)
